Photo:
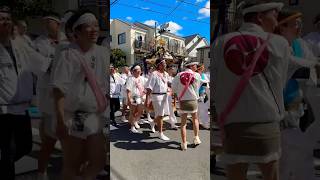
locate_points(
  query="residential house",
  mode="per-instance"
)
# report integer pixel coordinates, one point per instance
(138, 40)
(203, 56)
(193, 42)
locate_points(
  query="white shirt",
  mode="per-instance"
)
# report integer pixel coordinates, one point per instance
(115, 85)
(192, 92)
(47, 48)
(313, 39)
(124, 76)
(17, 87)
(133, 83)
(257, 102)
(158, 82)
(69, 77)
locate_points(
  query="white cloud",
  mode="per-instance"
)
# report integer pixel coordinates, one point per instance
(199, 1)
(150, 22)
(205, 12)
(174, 28)
(129, 18)
(111, 21)
(145, 8)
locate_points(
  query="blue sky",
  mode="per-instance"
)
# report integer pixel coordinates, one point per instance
(185, 17)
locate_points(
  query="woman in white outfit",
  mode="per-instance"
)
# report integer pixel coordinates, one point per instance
(136, 96)
(78, 83)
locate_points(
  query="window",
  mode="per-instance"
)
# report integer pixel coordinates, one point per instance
(209, 54)
(122, 38)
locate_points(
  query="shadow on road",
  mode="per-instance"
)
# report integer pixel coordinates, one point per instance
(124, 139)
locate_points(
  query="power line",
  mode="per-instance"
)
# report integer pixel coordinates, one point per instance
(162, 13)
(114, 2)
(167, 6)
(193, 4)
(175, 8)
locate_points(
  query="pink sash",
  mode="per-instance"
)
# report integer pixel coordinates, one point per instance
(239, 88)
(92, 80)
(139, 86)
(185, 87)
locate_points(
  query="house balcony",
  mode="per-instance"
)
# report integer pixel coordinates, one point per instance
(141, 46)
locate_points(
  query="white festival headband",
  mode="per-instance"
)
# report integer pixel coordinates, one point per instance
(137, 67)
(67, 16)
(86, 18)
(52, 18)
(262, 7)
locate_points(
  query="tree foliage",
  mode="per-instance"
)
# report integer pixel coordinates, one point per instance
(118, 57)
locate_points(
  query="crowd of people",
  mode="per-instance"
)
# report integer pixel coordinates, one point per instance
(63, 73)
(266, 93)
(159, 93)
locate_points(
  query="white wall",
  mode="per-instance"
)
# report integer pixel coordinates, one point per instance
(117, 27)
(193, 53)
(206, 59)
(192, 42)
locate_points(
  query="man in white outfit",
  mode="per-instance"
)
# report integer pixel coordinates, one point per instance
(157, 89)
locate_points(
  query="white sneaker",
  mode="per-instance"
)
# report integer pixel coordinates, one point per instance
(136, 125)
(184, 146)
(196, 140)
(133, 129)
(152, 124)
(123, 119)
(163, 137)
(149, 118)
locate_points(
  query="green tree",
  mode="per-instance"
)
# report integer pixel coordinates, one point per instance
(118, 57)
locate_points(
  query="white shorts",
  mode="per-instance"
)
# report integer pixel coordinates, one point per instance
(49, 124)
(84, 125)
(160, 105)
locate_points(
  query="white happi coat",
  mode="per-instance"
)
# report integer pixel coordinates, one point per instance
(257, 102)
(17, 87)
(48, 49)
(69, 77)
(313, 39)
(158, 84)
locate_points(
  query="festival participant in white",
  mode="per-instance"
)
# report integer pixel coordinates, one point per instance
(79, 86)
(157, 89)
(297, 145)
(46, 44)
(172, 117)
(17, 63)
(136, 97)
(186, 87)
(115, 87)
(203, 107)
(313, 38)
(124, 75)
(248, 95)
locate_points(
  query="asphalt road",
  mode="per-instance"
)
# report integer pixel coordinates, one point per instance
(145, 156)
